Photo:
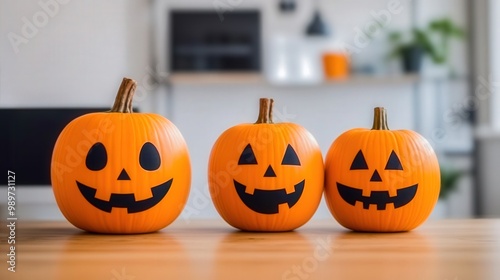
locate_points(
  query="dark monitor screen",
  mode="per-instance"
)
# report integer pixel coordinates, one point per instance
(27, 138)
(213, 40)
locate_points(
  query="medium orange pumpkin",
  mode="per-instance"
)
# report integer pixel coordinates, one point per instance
(381, 180)
(266, 176)
(119, 171)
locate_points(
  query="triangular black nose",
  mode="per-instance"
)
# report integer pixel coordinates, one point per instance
(269, 172)
(123, 175)
(376, 177)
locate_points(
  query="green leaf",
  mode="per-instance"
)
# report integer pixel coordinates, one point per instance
(449, 180)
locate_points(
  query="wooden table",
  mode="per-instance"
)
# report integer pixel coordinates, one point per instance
(444, 250)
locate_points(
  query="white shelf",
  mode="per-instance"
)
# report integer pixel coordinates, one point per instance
(216, 78)
(245, 78)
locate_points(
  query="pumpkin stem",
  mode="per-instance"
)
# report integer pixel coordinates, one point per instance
(380, 119)
(123, 101)
(265, 111)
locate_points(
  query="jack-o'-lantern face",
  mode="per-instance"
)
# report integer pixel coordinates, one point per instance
(266, 176)
(267, 201)
(380, 198)
(149, 160)
(120, 172)
(381, 180)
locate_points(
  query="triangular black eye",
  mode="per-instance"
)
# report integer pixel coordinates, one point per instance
(247, 156)
(149, 158)
(96, 157)
(393, 163)
(290, 157)
(359, 162)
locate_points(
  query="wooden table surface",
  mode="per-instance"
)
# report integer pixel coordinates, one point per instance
(444, 250)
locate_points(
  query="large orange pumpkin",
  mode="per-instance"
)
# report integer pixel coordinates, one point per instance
(381, 180)
(119, 171)
(266, 176)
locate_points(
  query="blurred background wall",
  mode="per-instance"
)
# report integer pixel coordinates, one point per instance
(74, 54)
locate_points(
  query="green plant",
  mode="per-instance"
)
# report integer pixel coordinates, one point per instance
(434, 40)
(449, 180)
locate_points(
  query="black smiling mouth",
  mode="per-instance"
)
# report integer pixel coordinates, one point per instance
(379, 198)
(266, 201)
(126, 200)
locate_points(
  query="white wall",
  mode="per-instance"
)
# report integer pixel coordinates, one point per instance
(75, 58)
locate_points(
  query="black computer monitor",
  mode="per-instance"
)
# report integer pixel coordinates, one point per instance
(27, 138)
(206, 40)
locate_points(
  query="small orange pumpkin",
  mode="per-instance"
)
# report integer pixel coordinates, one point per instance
(266, 176)
(119, 171)
(381, 180)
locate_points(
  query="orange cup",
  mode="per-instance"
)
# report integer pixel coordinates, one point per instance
(336, 65)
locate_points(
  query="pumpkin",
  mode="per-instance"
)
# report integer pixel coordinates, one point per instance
(120, 171)
(266, 176)
(381, 180)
